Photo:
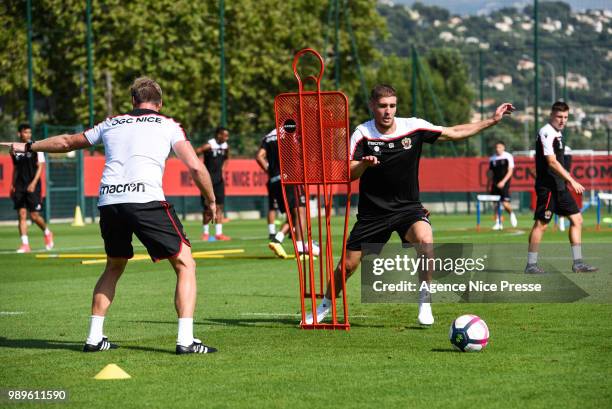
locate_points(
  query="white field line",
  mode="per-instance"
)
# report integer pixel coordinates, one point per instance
(11, 312)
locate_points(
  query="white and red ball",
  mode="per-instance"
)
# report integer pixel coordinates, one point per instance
(469, 333)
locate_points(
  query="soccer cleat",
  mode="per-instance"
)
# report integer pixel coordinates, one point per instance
(513, 220)
(580, 266)
(534, 269)
(498, 226)
(425, 316)
(222, 237)
(24, 248)
(49, 241)
(103, 345)
(322, 311)
(205, 236)
(278, 249)
(197, 347)
(271, 236)
(304, 249)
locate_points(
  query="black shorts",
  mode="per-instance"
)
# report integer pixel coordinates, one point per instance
(28, 200)
(275, 197)
(155, 224)
(379, 230)
(219, 190)
(504, 192)
(551, 201)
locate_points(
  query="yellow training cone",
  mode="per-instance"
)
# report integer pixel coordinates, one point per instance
(112, 371)
(78, 217)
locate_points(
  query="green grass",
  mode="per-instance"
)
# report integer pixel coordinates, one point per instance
(540, 355)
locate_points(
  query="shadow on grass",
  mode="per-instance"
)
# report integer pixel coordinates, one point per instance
(444, 350)
(40, 344)
(252, 322)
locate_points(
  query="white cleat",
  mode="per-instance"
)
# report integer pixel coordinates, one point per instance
(498, 226)
(425, 315)
(304, 249)
(513, 220)
(322, 312)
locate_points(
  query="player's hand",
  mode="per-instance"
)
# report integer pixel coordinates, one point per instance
(504, 109)
(31, 187)
(578, 188)
(210, 214)
(500, 185)
(370, 160)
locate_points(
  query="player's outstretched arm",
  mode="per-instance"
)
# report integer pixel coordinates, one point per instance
(184, 151)
(55, 144)
(459, 132)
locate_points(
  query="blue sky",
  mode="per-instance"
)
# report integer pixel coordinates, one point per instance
(474, 6)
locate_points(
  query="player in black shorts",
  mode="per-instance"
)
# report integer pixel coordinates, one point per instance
(267, 159)
(385, 154)
(131, 201)
(26, 190)
(501, 166)
(552, 194)
(216, 154)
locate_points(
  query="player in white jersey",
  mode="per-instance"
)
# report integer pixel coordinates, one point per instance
(132, 201)
(501, 166)
(216, 154)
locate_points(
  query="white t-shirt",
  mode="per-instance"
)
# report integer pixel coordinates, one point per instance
(136, 145)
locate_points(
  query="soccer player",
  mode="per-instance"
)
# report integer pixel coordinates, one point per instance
(267, 158)
(385, 154)
(269, 164)
(216, 154)
(26, 190)
(131, 201)
(501, 166)
(552, 194)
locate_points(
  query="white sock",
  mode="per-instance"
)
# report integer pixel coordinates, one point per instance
(424, 297)
(280, 236)
(272, 228)
(206, 228)
(24, 239)
(185, 332)
(218, 229)
(95, 330)
(532, 257)
(47, 231)
(576, 252)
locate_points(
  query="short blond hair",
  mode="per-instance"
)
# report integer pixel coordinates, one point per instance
(144, 89)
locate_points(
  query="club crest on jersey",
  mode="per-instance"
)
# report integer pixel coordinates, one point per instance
(547, 214)
(407, 143)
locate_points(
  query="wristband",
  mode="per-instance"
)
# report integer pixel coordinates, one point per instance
(28, 147)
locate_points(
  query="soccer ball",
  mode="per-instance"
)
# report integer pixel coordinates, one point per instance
(469, 333)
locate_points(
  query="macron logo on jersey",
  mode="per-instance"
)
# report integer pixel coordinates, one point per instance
(127, 187)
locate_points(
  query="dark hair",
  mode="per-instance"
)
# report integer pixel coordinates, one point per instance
(144, 89)
(500, 143)
(381, 91)
(220, 129)
(23, 127)
(559, 106)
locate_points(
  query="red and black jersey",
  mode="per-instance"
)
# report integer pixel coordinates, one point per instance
(25, 166)
(270, 144)
(392, 186)
(549, 142)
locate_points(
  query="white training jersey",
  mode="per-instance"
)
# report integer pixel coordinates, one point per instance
(136, 146)
(504, 157)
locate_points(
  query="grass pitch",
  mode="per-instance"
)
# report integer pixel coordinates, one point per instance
(539, 356)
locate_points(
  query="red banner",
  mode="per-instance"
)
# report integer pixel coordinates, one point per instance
(244, 178)
(6, 176)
